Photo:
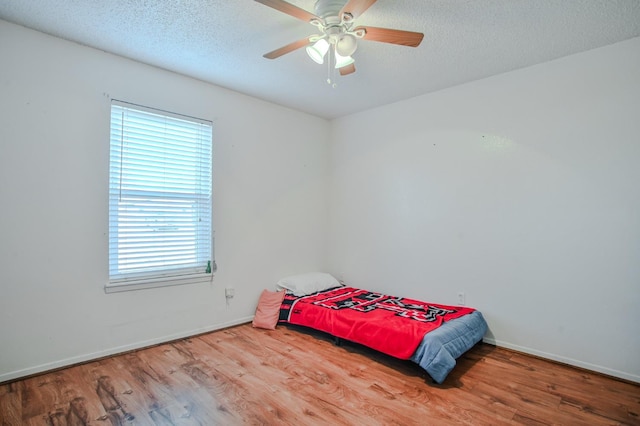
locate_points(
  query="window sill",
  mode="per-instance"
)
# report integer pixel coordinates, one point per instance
(142, 284)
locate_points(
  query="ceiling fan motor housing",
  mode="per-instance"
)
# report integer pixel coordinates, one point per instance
(329, 8)
(335, 27)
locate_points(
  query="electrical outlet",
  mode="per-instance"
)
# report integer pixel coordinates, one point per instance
(460, 298)
(229, 292)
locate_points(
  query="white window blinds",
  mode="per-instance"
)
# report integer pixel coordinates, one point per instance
(160, 226)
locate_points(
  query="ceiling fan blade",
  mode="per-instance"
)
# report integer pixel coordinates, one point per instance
(289, 9)
(356, 7)
(287, 49)
(346, 70)
(386, 35)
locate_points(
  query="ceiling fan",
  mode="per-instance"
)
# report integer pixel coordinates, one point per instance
(338, 36)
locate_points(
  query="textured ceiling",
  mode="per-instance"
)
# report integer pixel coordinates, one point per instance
(222, 42)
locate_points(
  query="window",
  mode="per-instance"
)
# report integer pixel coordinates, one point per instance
(160, 226)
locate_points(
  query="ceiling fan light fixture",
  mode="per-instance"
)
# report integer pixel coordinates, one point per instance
(318, 50)
(343, 61)
(347, 45)
(338, 37)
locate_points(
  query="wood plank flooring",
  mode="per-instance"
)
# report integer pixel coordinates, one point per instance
(288, 376)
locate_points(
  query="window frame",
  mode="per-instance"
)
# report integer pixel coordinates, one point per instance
(161, 276)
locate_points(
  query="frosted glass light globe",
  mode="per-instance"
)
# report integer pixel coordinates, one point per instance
(346, 45)
(318, 50)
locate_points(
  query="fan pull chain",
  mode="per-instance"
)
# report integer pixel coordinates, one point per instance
(331, 69)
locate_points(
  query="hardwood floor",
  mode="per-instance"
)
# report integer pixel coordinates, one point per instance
(243, 375)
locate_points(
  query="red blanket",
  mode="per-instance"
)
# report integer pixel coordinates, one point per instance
(392, 325)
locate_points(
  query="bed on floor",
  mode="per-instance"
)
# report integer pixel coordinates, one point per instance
(429, 334)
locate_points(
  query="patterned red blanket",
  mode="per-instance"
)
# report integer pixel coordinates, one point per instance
(392, 325)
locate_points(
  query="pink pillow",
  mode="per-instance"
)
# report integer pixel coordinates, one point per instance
(268, 309)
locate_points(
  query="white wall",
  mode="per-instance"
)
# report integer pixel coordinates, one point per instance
(521, 190)
(270, 203)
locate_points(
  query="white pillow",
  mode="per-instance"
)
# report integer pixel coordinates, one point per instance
(301, 285)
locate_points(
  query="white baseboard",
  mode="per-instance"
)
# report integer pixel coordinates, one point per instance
(564, 360)
(117, 350)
